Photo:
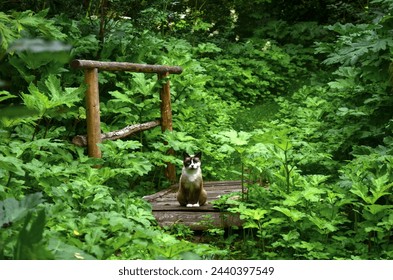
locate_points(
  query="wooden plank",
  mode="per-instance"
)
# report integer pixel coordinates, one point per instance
(213, 188)
(170, 203)
(168, 212)
(197, 220)
(125, 66)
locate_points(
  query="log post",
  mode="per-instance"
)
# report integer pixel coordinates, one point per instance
(93, 113)
(166, 121)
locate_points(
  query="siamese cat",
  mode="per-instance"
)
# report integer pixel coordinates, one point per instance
(191, 192)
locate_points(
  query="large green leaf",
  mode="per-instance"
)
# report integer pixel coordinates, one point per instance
(63, 251)
(29, 245)
(294, 214)
(12, 210)
(12, 164)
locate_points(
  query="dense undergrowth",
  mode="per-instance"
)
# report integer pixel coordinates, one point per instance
(300, 110)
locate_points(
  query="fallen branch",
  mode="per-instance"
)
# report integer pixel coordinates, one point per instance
(81, 140)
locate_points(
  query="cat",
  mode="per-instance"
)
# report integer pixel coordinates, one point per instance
(191, 192)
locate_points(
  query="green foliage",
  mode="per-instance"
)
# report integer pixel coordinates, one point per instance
(250, 72)
(137, 100)
(19, 215)
(306, 127)
(49, 98)
(12, 26)
(298, 206)
(23, 224)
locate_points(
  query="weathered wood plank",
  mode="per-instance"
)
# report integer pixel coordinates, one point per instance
(168, 212)
(214, 191)
(197, 220)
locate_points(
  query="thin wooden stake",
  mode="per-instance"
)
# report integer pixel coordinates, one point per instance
(166, 121)
(93, 113)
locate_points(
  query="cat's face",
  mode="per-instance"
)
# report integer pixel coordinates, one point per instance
(192, 161)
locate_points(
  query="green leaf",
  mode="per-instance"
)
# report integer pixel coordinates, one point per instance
(63, 251)
(37, 22)
(361, 190)
(4, 95)
(382, 186)
(12, 164)
(50, 95)
(291, 236)
(120, 97)
(234, 138)
(250, 224)
(294, 214)
(7, 33)
(324, 225)
(60, 97)
(37, 228)
(312, 194)
(12, 210)
(142, 85)
(36, 100)
(376, 208)
(29, 245)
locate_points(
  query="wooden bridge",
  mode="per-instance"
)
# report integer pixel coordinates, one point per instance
(168, 212)
(165, 207)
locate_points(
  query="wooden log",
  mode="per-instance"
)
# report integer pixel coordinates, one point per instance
(81, 140)
(125, 66)
(93, 113)
(166, 111)
(166, 121)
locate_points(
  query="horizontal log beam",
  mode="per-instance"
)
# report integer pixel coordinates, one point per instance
(81, 140)
(125, 66)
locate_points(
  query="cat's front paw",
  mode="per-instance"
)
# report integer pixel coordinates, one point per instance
(193, 205)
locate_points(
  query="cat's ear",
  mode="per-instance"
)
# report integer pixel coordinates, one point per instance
(199, 155)
(185, 155)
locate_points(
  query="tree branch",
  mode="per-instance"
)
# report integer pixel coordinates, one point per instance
(81, 140)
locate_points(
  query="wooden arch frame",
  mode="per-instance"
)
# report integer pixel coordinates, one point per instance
(91, 68)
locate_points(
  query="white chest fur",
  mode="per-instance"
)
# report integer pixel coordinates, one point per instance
(191, 175)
